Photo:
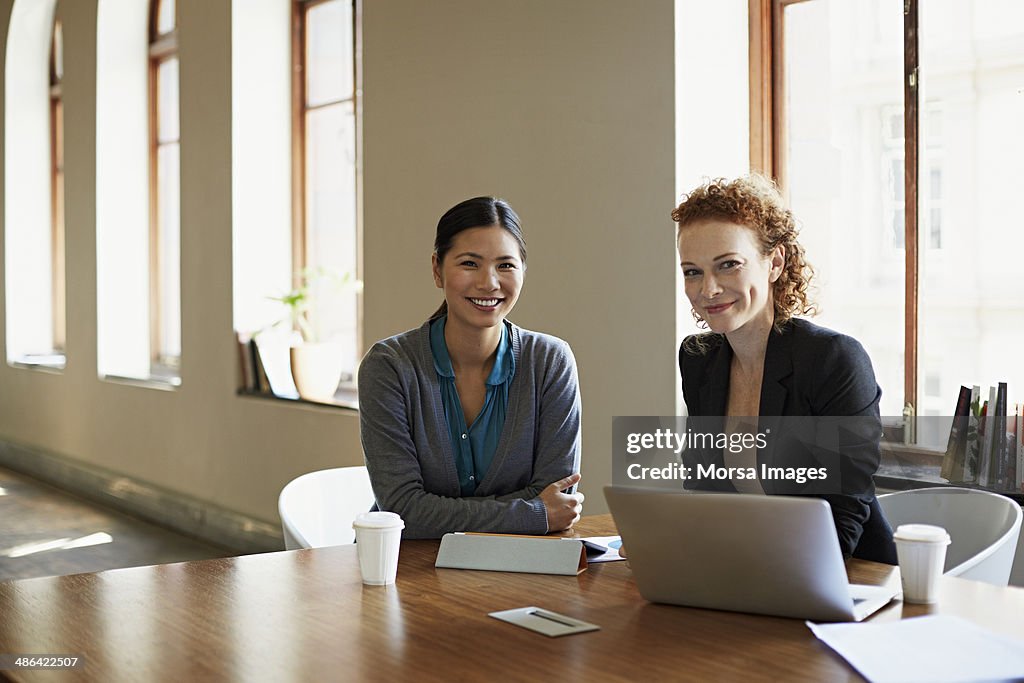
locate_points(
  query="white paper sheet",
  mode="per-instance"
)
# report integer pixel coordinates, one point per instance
(930, 649)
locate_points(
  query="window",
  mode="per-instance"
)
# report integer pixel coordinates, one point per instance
(894, 202)
(137, 292)
(33, 194)
(261, 143)
(165, 232)
(294, 145)
(897, 137)
(325, 165)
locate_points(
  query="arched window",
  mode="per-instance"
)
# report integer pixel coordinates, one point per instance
(325, 234)
(164, 183)
(124, 141)
(57, 185)
(33, 196)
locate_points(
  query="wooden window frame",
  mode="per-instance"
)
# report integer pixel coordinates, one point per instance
(768, 144)
(298, 9)
(300, 242)
(57, 231)
(162, 47)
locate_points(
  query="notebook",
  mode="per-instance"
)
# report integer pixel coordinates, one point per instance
(775, 555)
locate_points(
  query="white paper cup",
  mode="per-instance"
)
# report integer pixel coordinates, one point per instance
(921, 549)
(378, 538)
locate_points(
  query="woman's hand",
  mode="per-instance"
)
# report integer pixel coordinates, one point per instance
(563, 508)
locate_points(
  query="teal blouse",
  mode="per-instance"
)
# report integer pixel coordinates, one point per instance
(474, 445)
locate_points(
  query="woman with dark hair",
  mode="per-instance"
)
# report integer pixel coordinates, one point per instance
(747, 278)
(469, 422)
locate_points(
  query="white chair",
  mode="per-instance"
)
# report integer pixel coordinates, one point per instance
(317, 509)
(983, 527)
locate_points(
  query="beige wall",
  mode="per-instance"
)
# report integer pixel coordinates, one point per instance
(563, 108)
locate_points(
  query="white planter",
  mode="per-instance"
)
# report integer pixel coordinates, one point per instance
(316, 369)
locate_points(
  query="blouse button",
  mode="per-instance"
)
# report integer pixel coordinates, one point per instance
(464, 436)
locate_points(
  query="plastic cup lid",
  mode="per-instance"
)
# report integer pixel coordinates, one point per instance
(378, 520)
(921, 532)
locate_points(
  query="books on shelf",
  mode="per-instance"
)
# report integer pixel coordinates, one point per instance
(262, 381)
(273, 349)
(1018, 442)
(985, 434)
(1011, 455)
(264, 365)
(246, 362)
(956, 448)
(973, 455)
(1000, 474)
(986, 440)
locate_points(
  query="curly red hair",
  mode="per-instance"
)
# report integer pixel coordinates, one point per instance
(755, 202)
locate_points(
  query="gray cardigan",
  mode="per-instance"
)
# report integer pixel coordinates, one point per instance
(408, 449)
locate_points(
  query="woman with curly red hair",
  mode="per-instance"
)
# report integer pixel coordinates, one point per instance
(747, 278)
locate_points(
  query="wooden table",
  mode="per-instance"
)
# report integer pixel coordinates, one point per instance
(305, 616)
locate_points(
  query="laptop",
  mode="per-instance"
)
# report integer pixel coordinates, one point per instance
(776, 555)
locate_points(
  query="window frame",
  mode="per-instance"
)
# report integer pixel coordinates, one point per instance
(300, 257)
(768, 145)
(57, 227)
(300, 110)
(162, 48)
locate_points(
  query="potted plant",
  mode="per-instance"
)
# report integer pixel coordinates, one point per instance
(316, 359)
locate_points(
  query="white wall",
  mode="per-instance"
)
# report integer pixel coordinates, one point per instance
(565, 109)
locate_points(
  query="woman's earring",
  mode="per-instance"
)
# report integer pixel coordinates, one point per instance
(701, 322)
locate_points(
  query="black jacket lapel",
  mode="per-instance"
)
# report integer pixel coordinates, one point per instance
(778, 366)
(714, 388)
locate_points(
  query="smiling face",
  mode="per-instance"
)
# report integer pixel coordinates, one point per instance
(481, 275)
(727, 279)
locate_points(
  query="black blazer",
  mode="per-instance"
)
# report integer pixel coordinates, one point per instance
(808, 371)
